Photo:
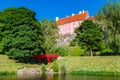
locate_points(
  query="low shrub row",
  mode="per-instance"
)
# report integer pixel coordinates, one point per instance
(105, 73)
(7, 73)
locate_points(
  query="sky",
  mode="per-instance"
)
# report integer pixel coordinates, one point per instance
(50, 9)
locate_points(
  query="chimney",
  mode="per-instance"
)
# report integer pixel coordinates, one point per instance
(57, 18)
(83, 11)
(80, 12)
(73, 14)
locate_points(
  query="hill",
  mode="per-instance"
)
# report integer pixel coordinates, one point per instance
(72, 64)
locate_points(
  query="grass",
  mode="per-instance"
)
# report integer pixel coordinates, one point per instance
(109, 65)
(8, 66)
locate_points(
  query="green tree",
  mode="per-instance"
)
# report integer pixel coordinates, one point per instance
(89, 35)
(19, 33)
(109, 19)
(48, 36)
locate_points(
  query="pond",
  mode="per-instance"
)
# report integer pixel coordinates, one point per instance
(59, 77)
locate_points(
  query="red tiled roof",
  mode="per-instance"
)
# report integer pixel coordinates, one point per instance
(76, 17)
(92, 18)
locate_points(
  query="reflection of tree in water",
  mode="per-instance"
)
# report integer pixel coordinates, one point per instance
(49, 77)
(43, 77)
(63, 77)
(55, 77)
(59, 77)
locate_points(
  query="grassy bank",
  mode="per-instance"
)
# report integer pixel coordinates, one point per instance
(10, 67)
(109, 65)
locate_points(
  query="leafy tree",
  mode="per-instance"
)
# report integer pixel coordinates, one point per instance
(89, 35)
(109, 18)
(48, 36)
(19, 33)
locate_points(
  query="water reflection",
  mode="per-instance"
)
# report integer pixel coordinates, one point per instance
(59, 77)
(70, 77)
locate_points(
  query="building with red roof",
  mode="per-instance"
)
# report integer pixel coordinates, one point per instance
(68, 24)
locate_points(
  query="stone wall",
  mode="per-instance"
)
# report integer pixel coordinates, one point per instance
(29, 73)
(65, 40)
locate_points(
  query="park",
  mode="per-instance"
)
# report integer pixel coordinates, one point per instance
(50, 49)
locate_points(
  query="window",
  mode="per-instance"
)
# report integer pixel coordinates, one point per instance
(73, 23)
(61, 28)
(78, 23)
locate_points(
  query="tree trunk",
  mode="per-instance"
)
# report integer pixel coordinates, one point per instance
(91, 54)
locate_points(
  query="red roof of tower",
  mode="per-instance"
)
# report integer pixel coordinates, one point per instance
(76, 17)
(92, 18)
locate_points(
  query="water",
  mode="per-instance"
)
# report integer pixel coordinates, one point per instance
(60, 77)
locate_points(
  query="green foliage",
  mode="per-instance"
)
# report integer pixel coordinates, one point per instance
(7, 73)
(74, 42)
(105, 73)
(109, 19)
(61, 50)
(43, 69)
(89, 35)
(55, 66)
(77, 51)
(70, 51)
(19, 34)
(63, 69)
(106, 52)
(48, 36)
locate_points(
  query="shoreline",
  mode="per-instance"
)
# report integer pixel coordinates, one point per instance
(76, 72)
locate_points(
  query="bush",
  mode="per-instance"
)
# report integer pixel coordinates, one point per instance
(63, 69)
(61, 50)
(100, 73)
(106, 52)
(76, 51)
(43, 69)
(70, 51)
(55, 66)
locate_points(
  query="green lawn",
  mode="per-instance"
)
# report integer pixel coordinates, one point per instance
(10, 66)
(92, 64)
(109, 64)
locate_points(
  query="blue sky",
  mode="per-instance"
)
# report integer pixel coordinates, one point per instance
(49, 9)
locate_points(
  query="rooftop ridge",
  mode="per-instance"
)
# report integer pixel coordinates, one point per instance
(72, 18)
(73, 15)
